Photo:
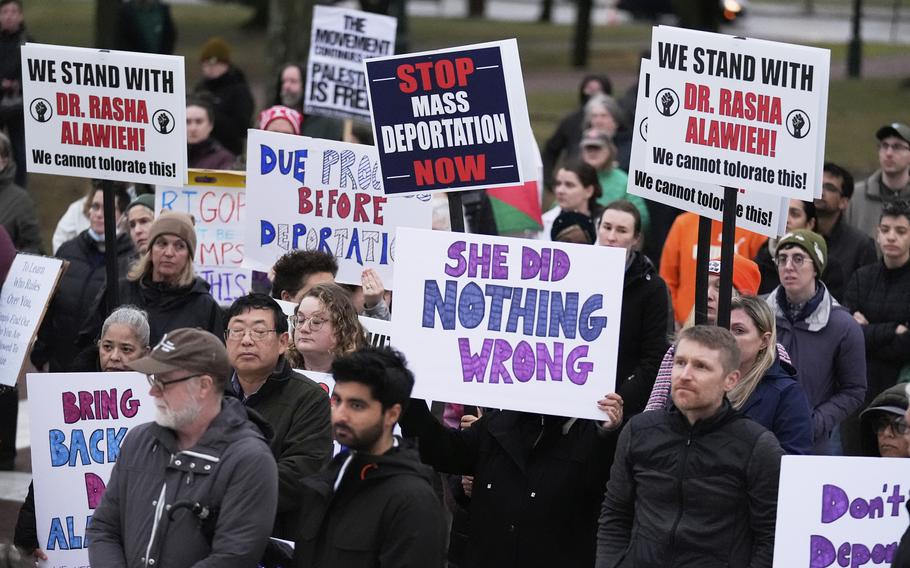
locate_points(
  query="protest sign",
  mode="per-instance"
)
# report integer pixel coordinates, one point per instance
(76, 435)
(341, 40)
(508, 323)
(27, 290)
(216, 200)
(762, 213)
(840, 511)
(738, 112)
(305, 193)
(379, 332)
(103, 114)
(450, 119)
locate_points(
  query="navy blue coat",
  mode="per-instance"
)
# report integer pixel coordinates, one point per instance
(779, 404)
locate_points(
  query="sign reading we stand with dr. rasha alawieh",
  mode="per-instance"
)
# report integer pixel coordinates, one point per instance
(738, 112)
(112, 115)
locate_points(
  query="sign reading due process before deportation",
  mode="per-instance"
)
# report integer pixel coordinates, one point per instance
(449, 120)
(218, 211)
(738, 112)
(759, 212)
(341, 40)
(104, 114)
(76, 436)
(305, 193)
(840, 511)
(508, 323)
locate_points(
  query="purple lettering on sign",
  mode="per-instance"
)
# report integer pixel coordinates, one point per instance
(474, 366)
(455, 253)
(834, 503)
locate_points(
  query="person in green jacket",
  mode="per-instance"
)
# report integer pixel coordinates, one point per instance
(598, 150)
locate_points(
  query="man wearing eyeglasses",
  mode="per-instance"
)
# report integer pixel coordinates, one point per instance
(823, 340)
(199, 485)
(295, 407)
(891, 182)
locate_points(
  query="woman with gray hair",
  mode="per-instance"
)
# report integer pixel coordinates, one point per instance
(124, 338)
(603, 114)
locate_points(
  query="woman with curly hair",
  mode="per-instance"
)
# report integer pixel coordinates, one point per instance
(326, 326)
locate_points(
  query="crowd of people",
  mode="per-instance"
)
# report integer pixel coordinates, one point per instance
(682, 471)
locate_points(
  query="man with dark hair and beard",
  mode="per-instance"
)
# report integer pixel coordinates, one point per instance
(290, 91)
(374, 504)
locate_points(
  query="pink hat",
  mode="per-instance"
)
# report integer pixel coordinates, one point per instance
(274, 113)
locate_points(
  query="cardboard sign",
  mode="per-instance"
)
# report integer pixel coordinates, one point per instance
(508, 323)
(76, 436)
(449, 119)
(27, 290)
(738, 112)
(305, 193)
(840, 511)
(759, 212)
(341, 40)
(104, 114)
(216, 200)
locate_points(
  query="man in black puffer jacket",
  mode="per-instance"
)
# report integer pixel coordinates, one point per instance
(695, 485)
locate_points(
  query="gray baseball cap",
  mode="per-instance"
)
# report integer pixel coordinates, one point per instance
(894, 129)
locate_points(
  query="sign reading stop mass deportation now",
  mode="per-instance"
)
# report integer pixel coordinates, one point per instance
(508, 323)
(305, 193)
(448, 120)
(759, 212)
(738, 112)
(216, 200)
(76, 434)
(104, 114)
(840, 511)
(342, 38)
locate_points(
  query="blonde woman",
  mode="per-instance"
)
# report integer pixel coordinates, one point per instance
(767, 391)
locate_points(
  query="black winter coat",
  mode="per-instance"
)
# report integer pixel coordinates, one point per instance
(536, 489)
(168, 309)
(883, 296)
(642, 333)
(385, 513)
(79, 288)
(233, 104)
(682, 495)
(297, 409)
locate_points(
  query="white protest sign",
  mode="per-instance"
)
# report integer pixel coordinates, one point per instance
(738, 112)
(759, 212)
(104, 114)
(304, 193)
(379, 332)
(450, 119)
(216, 201)
(840, 511)
(76, 434)
(26, 293)
(508, 323)
(341, 40)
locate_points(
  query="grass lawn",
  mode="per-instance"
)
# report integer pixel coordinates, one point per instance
(856, 108)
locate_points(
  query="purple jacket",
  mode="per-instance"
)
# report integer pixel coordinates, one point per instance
(829, 353)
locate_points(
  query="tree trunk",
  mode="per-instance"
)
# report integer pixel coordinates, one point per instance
(582, 39)
(546, 12)
(106, 14)
(288, 34)
(476, 8)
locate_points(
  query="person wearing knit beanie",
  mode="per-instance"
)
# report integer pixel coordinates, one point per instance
(280, 119)
(746, 276)
(140, 214)
(173, 223)
(216, 49)
(811, 242)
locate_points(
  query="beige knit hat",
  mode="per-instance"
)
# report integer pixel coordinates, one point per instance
(173, 223)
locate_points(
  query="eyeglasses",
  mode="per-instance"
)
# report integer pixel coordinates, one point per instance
(256, 334)
(316, 322)
(898, 425)
(796, 259)
(896, 147)
(155, 382)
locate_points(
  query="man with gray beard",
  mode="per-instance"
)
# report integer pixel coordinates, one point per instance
(197, 487)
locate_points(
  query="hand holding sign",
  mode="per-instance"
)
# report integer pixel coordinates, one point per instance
(612, 406)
